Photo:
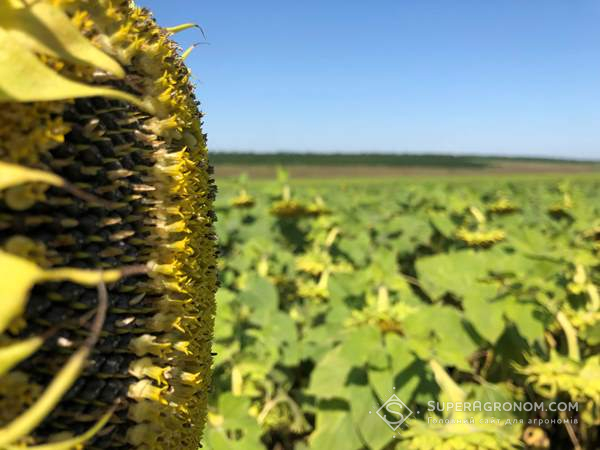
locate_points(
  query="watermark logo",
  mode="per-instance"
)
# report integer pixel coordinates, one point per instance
(394, 412)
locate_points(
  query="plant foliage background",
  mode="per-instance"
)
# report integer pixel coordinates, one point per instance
(334, 293)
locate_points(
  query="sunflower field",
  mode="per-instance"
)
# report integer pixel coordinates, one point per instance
(336, 294)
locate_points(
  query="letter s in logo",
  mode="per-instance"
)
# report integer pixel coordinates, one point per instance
(394, 408)
(394, 412)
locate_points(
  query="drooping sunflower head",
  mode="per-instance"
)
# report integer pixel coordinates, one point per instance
(480, 238)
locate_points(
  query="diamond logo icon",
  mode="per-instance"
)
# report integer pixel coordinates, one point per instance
(394, 412)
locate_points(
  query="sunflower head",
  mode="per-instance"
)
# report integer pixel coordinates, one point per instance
(106, 239)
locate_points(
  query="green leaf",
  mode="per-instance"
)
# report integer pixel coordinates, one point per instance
(371, 428)
(442, 223)
(225, 317)
(262, 298)
(413, 231)
(256, 361)
(329, 375)
(238, 430)
(383, 262)
(334, 429)
(354, 246)
(492, 393)
(450, 272)
(508, 352)
(318, 340)
(592, 334)
(484, 312)
(278, 333)
(343, 287)
(529, 318)
(359, 344)
(235, 410)
(441, 332)
(404, 371)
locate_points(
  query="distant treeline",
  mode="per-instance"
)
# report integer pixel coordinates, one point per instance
(369, 159)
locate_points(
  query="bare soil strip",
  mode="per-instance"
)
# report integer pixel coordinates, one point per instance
(369, 171)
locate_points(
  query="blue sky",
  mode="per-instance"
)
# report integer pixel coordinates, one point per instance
(450, 76)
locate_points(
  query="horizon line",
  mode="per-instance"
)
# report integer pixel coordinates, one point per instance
(402, 153)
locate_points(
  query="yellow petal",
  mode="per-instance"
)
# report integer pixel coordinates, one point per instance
(14, 175)
(79, 276)
(24, 78)
(189, 51)
(64, 379)
(46, 29)
(21, 275)
(13, 354)
(74, 443)
(183, 27)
